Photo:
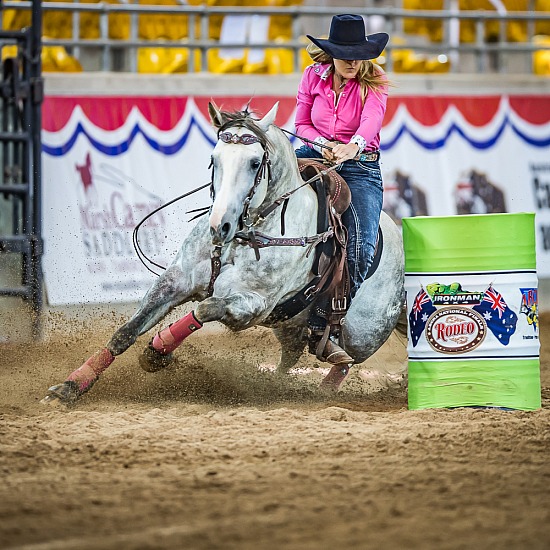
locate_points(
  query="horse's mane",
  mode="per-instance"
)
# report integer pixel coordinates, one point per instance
(244, 119)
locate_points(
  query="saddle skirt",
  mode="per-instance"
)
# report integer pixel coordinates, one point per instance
(335, 186)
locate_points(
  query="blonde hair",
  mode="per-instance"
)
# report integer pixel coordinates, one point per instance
(370, 75)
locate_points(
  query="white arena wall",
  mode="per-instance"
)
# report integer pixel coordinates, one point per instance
(441, 134)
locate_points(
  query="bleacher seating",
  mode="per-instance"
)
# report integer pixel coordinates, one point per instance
(59, 24)
(245, 29)
(54, 59)
(515, 30)
(248, 30)
(409, 61)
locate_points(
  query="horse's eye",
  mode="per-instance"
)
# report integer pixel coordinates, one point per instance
(255, 164)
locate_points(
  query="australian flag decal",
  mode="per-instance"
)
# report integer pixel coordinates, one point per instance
(421, 310)
(500, 319)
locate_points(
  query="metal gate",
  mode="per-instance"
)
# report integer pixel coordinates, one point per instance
(21, 95)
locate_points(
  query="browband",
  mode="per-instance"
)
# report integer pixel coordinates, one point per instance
(245, 139)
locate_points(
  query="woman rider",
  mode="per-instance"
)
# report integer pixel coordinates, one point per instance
(341, 104)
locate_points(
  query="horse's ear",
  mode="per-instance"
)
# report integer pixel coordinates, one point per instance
(268, 119)
(216, 115)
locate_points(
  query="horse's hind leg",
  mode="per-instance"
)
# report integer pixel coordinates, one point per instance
(167, 292)
(293, 340)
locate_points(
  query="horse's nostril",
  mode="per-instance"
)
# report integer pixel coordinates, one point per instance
(226, 227)
(219, 234)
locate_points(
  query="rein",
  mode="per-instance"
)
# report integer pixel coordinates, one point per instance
(321, 145)
(139, 252)
(249, 237)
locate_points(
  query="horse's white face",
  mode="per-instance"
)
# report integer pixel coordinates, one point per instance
(236, 167)
(235, 170)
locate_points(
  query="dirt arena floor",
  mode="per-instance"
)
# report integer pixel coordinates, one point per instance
(214, 454)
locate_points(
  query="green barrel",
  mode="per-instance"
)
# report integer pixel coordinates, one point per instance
(472, 309)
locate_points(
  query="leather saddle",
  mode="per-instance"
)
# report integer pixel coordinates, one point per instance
(334, 184)
(330, 265)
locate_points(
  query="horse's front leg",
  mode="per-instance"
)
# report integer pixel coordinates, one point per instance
(237, 311)
(170, 290)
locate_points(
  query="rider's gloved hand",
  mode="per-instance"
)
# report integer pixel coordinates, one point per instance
(345, 151)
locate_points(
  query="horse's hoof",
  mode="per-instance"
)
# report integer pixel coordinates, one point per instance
(152, 360)
(333, 380)
(63, 394)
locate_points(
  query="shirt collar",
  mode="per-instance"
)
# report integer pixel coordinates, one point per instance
(325, 74)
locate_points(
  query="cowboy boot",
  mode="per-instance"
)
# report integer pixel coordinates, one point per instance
(326, 349)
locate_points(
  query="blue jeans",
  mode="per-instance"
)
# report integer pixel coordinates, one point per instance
(363, 215)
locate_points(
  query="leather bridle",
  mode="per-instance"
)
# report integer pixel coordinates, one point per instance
(247, 235)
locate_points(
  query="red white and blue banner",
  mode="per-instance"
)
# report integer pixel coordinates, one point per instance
(109, 161)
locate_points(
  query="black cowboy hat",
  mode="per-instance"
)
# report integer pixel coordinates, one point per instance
(347, 39)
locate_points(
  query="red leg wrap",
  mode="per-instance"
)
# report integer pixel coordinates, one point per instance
(168, 339)
(89, 372)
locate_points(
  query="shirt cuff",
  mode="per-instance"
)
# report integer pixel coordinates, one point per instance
(361, 142)
(319, 140)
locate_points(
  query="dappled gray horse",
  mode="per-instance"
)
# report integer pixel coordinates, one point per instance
(253, 166)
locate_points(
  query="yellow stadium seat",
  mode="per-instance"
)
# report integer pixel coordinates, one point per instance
(156, 26)
(541, 58)
(279, 60)
(438, 65)
(165, 60)
(56, 59)
(15, 20)
(178, 61)
(280, 25)
(516, 30)
(215, 21)
(230, 60)
(119, 24)
(9, 51)
(542, 27)
(408, 61)
(151, 60)
(57, 24)
(430, 28)
(219, 65)
(250, 30)
(89, 23)
(282, 60)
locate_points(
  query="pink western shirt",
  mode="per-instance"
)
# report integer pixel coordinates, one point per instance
(320, 118)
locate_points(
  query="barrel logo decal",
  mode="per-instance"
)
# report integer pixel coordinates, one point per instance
(455, 330)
